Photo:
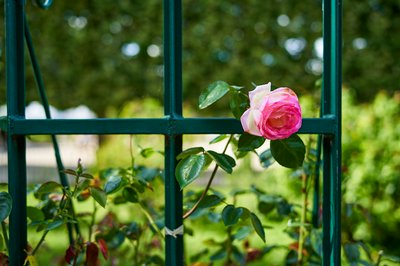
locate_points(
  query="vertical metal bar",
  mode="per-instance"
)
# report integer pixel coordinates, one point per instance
(332, 83)
(173, 143)
(327, 204)
(317, 194)
(15, 76)
(173, 203)
(45, 103)
(173, 58)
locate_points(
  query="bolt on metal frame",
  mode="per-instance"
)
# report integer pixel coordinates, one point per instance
(173, 126)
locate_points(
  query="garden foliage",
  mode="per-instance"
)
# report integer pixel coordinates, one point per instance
(123, 219)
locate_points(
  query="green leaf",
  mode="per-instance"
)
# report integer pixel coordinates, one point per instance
(48, 187)
(291, 258)
(147, 152)
(218, 139)
(218, 255)
(239, 103)
(242, 233)
(231, 215)
(86, 175)
(2, 246)
(210, 201)
(54, 224)
(99, 195)
(289, 152)
(249, 142)
(267, 204)
(213, 93)
(352, 252)
(245, 214)
(34, 214)
(316, 241)
(240, 154)
(189, 168)
(212, 242)
(114, 183)
(70, 172)
(156, 260)
(283, 207)
(188, 152)
(238, 255)
(257, 225)
(5, 205)
(224, 161)
(209, 160)
(391, 258)
(119, 200)
(115, 239)
(83, 185)
(266, 158)
(130, 194)
(79, 168)
(214, 217)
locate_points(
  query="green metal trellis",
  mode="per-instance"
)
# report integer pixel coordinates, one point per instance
(172, 126)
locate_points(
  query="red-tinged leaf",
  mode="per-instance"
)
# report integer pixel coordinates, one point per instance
(70, 254)
(4, 259)
(253, 254)
(92, 254)
(103, 247)
(294, 246)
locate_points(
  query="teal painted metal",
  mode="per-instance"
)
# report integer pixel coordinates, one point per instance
(315, 216)
(173, 141)
(173, 126)
(15, 79)
(163, 126)
(331, 105)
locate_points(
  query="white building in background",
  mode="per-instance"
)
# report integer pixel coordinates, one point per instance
(72, 147)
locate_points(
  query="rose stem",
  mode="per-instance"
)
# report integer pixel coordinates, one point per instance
(187, 214)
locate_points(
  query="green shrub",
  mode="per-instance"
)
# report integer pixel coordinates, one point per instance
(371, 171)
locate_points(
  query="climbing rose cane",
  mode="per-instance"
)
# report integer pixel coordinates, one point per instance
(272, 114)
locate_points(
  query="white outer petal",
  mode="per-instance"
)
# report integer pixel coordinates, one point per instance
(249, 121)
(258, 95)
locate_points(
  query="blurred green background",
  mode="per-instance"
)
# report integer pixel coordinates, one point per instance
(108, 55)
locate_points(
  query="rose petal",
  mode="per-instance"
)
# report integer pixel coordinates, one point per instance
(272, 114)
(258, 94)
(249, 121)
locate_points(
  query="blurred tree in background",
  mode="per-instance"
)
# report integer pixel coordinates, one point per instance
(105, 53)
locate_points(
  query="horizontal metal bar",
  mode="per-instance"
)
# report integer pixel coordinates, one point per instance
(231, 126)
(89, 126)
(165, 126)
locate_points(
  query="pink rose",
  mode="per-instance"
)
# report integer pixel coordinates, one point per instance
(272, 114)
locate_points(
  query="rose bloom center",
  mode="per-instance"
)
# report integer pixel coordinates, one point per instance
(279, 120)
